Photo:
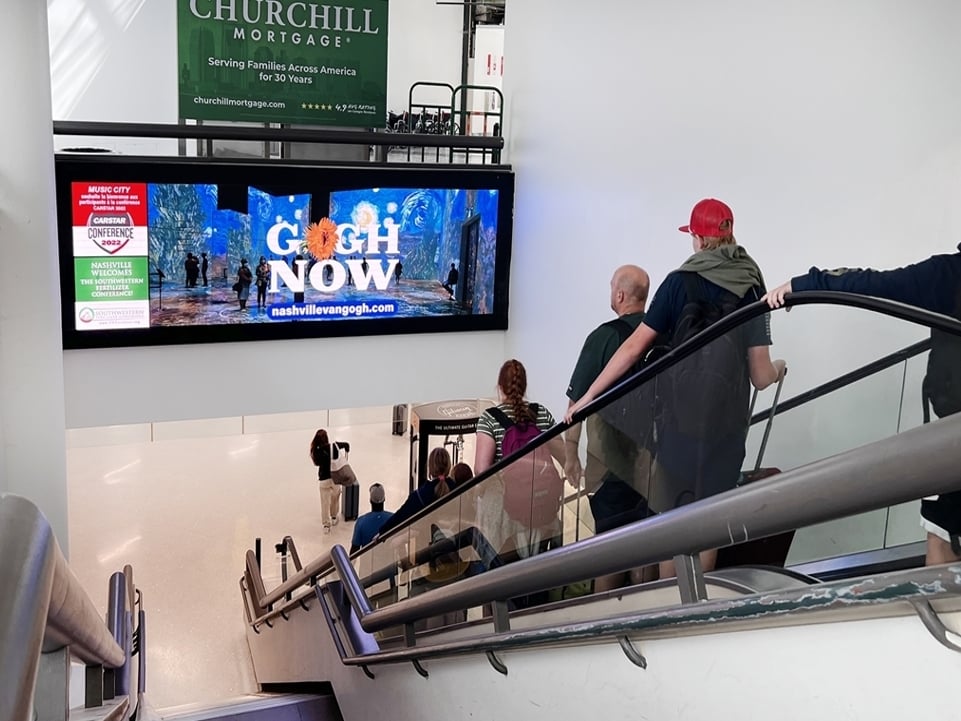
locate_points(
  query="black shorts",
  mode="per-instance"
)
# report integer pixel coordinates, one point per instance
(615, 504)
(942, 516)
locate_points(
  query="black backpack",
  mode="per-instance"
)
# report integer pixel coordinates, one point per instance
(942, 382)
(706, 395)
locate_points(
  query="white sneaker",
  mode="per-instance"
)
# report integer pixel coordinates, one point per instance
(326, 528)
(333, 521)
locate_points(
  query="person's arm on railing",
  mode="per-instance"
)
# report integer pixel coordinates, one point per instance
(630, 352)
(573, 469)
(930, 284)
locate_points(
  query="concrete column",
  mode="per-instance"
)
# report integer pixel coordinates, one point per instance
(32, 435)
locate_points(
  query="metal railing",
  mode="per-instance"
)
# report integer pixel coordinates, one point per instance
(44, 610)
(268, 134)
(918, 588)
(922, 461)
(919, 462)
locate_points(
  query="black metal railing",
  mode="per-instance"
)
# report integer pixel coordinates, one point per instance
(265, 134)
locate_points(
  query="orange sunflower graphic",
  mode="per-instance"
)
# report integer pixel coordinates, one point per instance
(321, 238)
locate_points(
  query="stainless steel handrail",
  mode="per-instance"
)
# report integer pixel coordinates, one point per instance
(930, 584)
(318, 567)
(352, 585)
(43, 607)
(918, 462)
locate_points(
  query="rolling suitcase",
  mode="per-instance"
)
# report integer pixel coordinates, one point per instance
(400, 420)
(773, 550)
(351, 501)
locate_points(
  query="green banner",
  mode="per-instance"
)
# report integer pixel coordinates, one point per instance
(283, 61)
(102, 279)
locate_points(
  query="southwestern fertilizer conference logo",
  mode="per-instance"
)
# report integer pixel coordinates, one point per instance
(113, 315)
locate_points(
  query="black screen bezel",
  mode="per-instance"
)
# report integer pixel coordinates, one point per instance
(75, 168)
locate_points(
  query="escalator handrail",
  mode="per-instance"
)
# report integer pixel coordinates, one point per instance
(882, 306)
(918, 462)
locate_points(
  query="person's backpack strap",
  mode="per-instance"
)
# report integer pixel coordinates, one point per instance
(692, 289)
(506, 422)
(500, 417)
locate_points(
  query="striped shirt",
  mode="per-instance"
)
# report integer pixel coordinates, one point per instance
(489, 427)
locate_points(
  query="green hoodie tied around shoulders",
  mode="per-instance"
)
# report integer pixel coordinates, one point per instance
(728, 266)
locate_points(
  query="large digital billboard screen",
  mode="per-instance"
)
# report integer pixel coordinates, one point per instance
(156, 252)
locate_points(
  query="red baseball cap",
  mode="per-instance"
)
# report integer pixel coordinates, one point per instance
(710, 218)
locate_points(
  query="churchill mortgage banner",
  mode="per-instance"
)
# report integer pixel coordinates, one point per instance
(283, 61)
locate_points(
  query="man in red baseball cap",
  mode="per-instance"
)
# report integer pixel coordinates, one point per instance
(702, 401)
(710, 218)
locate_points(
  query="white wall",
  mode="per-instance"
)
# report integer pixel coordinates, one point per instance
(137, 385)
(114, 60)
(424, 45)
(832, 129)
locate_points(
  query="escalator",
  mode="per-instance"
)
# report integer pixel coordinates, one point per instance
(466, 611)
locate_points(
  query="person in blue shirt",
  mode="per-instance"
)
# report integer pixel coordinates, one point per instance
(688, 466)
(369, 524)
(935, 285)
(440, 484)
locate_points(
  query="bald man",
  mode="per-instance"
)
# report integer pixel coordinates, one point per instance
(629, 288)
(611, 472)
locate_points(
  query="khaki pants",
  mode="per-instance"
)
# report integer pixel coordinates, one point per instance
(329, 501)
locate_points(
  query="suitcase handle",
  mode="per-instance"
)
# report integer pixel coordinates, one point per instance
(770, 420)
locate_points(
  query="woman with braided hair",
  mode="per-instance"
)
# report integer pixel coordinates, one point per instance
(512, 536)
(511, 389)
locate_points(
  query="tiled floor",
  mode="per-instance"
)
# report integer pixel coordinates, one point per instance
(182, 503)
